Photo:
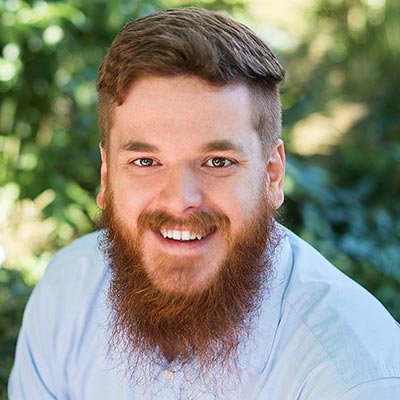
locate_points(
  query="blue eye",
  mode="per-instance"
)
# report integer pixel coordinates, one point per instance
(145, 162)
(218, 162)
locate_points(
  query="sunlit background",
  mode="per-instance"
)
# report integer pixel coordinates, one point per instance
(341, 127)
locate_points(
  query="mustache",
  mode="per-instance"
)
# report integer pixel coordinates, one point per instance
(198, 221)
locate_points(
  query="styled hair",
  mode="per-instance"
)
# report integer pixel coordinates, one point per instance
(192, 42)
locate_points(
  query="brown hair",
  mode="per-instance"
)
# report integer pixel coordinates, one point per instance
(195, 42)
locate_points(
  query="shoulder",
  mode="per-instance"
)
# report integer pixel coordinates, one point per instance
(83, 253)
(347, 328)
(74, 283)
(77, 267)
(70, 299)
(65, 314)
(75, 276)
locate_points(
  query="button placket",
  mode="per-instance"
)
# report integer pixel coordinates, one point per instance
(168, 374)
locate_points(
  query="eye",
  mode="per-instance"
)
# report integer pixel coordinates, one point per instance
(218, 162)
(145, 162)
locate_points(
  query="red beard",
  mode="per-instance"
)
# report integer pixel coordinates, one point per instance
(149, 324)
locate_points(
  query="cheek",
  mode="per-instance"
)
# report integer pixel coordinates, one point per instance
(130, 201)
(239, 201)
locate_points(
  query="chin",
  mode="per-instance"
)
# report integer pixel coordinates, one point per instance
(183, 277)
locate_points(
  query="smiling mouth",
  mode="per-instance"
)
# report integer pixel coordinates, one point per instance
(184, 235)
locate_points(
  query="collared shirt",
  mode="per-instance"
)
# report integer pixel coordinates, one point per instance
(318, 336)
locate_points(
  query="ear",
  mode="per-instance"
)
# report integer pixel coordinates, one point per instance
(276, 174)
(103, 177)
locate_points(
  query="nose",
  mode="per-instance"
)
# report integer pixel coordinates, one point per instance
(181, 191)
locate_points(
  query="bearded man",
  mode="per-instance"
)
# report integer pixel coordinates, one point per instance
(191, 290)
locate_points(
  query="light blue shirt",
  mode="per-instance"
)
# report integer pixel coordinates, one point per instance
(318, 336)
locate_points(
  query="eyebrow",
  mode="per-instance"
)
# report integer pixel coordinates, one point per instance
(216, 145)
(221, 145)
(139, 146)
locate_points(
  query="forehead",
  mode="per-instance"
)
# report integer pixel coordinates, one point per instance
(178, 111)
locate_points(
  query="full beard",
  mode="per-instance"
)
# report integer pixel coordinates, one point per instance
(204, 328)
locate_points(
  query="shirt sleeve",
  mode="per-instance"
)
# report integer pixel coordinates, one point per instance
(26, 380)
(382, 389)
(32, 376)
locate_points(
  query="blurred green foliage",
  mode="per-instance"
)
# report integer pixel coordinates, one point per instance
(346, 201)
(342, 83)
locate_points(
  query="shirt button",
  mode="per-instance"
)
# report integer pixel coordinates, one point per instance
(168, 374)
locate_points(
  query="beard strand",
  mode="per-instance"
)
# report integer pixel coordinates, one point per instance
(202, 329)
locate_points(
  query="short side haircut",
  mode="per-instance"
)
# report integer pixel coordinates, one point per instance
(192, 42)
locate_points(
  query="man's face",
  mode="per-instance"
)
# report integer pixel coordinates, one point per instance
(186, 171)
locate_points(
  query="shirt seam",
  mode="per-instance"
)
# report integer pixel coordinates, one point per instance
(315, 337)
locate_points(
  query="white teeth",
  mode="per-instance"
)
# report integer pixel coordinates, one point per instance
(180, 235)
(185, 235)
(176, 235)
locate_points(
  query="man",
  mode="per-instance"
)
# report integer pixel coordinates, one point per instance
(192, 290)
